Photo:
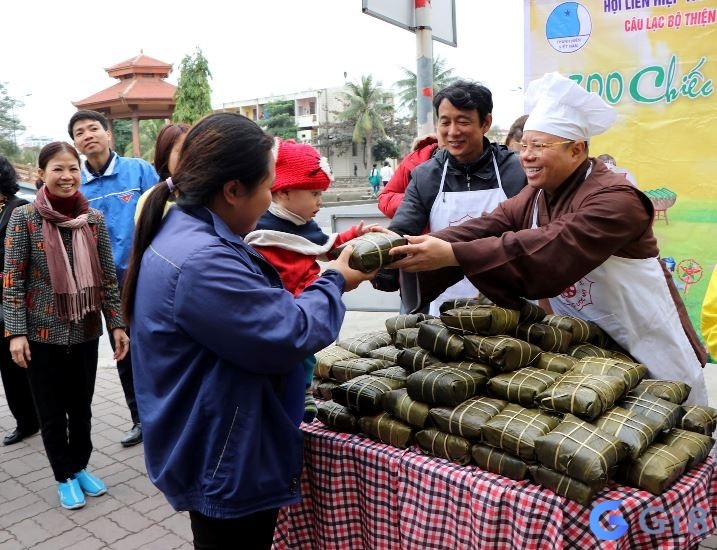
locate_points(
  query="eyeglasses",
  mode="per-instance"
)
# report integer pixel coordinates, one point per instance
(538, 148)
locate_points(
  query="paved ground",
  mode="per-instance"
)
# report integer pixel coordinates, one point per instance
(133, 514)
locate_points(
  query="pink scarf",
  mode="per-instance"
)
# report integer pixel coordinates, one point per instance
(77, 288)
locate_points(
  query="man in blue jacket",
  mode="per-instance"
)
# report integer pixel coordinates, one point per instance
(113, 184)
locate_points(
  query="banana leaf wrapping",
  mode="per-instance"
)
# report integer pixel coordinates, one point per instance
(630, 372)
(669, 390)
(555, 362)
(531, 313)
(485, 320)
(600, 338)
(415, 359)
(635, 430)
(621, 356)
(394, 373)
(587, 350)
(468, 418)
(697, 446)
(580, 450)
(371, 251)
(515, 429)
(400, 405)
(363, 394)
(564, 486)
(503, 352)
(327, 357)
(440, 341)
(459, 303)
(584, 395)
(656, 469)
(699, 419)
(398, 322)
(389, 353)
(325, 389)
(435, 443)
(666, 413)
(351, 368)
(581, 331)
(387, 430)
(363, 344)
(481, 368)
(498, 462)
(442, 385)
(406, 338)
(523, 385)
(337, 416)
(544, 336)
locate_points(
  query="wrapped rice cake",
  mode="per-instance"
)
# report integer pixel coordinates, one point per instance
(458, 303)
(515, 429)
(635, 430)
(666, 413)
(467, 419)
(564, 486)
(554, 362)
(697, 446)
(400, 405)
(363, 394)
(498, 462)
(325, 389)
(394, 324)
(388, 353)
(584, 395)
(484, 320)
(503, 352)
(580, 351)
(631, 373)
(580, 450)
(406, 338)
(440, 341)
(351, 368)
(387, 430)
(394, 373)
(523, 385)
(415, 359)
(580, 331)
(452, 447)
(365, 343)
(699, 419)
(444, 385)
(473, 366)
(327, 357)
(370, 251)
(337, 417)
(656, 469)
(674, 392)
(546, 337)
(531, 313)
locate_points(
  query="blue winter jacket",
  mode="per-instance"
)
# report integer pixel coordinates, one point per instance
(217, 349)
(115, 193)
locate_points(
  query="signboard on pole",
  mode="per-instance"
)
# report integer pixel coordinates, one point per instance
(402, 14)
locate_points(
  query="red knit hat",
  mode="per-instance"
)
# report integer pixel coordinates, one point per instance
(300, 166)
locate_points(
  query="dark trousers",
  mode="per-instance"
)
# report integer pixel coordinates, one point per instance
(17, 391)
(124, 370)
(62, 379)
(252, 532)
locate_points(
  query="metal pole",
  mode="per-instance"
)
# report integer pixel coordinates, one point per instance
(424, 68)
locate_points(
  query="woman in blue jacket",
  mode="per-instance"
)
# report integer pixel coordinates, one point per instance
(219, 343)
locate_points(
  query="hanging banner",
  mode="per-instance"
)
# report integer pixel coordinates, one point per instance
(655, 61)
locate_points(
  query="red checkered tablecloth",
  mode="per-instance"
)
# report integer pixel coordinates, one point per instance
(361, 494)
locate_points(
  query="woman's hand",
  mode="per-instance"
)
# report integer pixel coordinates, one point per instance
(353, 277)
(121, 343)
(20, 351)
(423, 253)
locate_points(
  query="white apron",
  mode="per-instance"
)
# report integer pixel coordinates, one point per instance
(453, 209)
(630, 300)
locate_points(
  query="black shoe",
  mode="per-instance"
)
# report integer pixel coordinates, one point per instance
(18, 435)
(133, 436)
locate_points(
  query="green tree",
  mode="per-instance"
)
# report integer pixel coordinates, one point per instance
(9, 123)
(442, 77)
(148, 131)
(366, 108)
(280, 122)
(193, 95)
(122, 133)
(385, 148)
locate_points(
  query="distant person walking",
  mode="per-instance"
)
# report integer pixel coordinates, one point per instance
(374, 178)
(386, 173)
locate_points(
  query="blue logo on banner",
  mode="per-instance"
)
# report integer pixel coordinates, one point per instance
(616, 521)
(568, 27)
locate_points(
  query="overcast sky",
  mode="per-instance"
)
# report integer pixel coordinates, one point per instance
(57, 51)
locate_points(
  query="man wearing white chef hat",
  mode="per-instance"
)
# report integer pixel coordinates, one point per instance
(579, 234)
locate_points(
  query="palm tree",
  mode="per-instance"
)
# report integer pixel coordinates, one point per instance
(366, 109)
(442, 77)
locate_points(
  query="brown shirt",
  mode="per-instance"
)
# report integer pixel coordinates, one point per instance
(581, 224)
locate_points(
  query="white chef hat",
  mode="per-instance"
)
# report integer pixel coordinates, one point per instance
(559, 106)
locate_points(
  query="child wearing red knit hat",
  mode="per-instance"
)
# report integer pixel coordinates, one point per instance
(288, 237)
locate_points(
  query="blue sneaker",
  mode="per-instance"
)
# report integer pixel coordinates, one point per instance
(91, 485)
(70, 494)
